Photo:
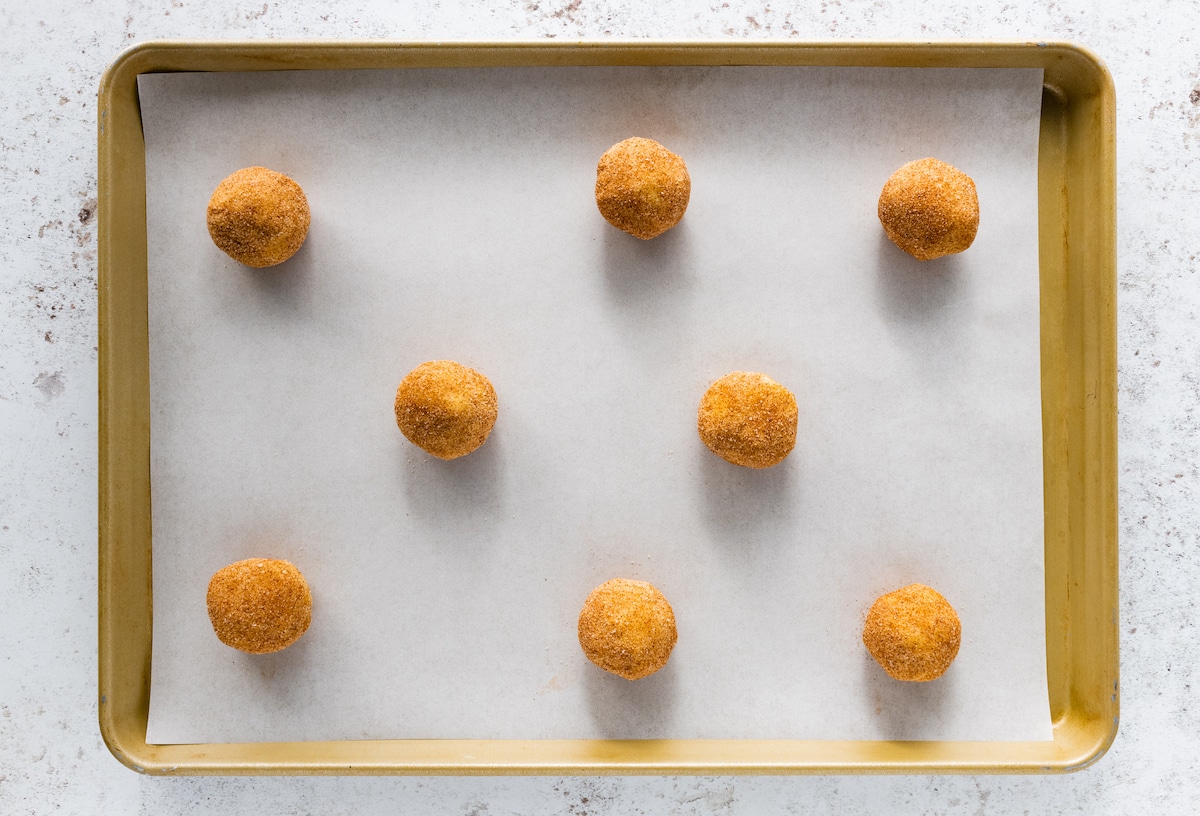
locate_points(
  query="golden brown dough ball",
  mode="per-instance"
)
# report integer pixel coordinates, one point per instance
(913, 633)
(929, 209)
(258, 217)
(627, 628)
(445, 408)
(748, 419)
(259, 605)
(641, 187)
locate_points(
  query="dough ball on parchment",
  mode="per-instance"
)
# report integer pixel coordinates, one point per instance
(259, 605)
(627, 627)
(748, 419)
(445, 408)
(258, 217)
(913, 633)
(929, 209)
(642, 188)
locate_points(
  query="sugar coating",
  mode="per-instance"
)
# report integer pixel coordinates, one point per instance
(446, 408)
(913, 633)
(748, 419)
(929, 209)
(627, 627)
(258, 217)
(259, 605)
(642, 188)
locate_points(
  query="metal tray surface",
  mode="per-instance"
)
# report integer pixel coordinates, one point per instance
(1077, 215)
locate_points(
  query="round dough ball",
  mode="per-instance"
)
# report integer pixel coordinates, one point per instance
(913, 633)
(258, 217)
(748, 419)
(445, 408)
(627, 628)
(929, 209)
(259, 605)
(641, 187)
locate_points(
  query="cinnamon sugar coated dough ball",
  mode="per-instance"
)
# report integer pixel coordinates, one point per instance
(258, 217)
(259, 605)
(627, 628)
(929, 209)
(641, 187)
(445, 408)
(748, 419)
(913, 633)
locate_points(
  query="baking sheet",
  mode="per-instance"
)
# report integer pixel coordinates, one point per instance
(453, 218)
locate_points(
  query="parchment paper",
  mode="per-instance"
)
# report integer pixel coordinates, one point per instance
(453, 218)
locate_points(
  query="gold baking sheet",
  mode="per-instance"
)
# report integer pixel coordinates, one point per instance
(1069, 315)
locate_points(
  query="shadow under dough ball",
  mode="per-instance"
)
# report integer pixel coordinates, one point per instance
(748, 419)
(929, 209)
(913, 633)
(627, 627)
(642, 188)
(259, 605)
(445, 408)
(258, 217)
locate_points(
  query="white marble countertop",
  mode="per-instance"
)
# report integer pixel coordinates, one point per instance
(52, 759)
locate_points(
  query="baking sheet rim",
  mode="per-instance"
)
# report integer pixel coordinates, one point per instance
(1093, 731)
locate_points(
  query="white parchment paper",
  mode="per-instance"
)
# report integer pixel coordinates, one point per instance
(453, 217)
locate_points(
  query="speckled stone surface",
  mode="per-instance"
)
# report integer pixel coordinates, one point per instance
(51, 757)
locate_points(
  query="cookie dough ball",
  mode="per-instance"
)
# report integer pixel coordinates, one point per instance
(748, 419)
(445, 408)
(929, 209)
(259, 605)
(913, 633)
(258, 217)
(627, 628)
(641, 187)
